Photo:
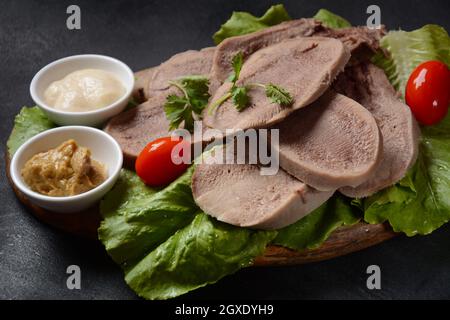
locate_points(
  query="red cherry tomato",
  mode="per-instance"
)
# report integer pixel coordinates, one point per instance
(428, 92)
(155, 165)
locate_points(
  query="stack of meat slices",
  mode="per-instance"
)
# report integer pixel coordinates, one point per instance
(345, 131)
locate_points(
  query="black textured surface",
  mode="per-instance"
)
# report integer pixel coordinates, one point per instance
(34, 257)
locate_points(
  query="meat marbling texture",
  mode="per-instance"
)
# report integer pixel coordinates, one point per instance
(368, 85)
(332, 143)
(305, 67)
(359, 40)
(239, 195)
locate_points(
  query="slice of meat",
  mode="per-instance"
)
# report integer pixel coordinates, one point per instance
(361, 41)
(239, 195)
(332, 143)
(354, 38)
(304, 66)
(191, 62)
(153, 81)
(141, 84)
(134, 128)
(368, 85)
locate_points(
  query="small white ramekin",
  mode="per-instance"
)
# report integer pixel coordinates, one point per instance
(103, 149)
(62, 67)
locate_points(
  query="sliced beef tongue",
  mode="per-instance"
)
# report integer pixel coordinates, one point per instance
(134, 128)
(153, 81)
(250, 43)
(368, 85)
(361, 41)
(239, 195)
(354, 38)
(141, 84)
(191, 62)
(332, 143)
(304, 66)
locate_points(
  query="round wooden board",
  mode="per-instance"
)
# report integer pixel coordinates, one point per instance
(341, 242)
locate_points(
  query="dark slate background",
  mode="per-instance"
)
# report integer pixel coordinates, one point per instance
(34, 257)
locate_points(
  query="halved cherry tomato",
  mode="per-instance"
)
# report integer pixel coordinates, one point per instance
(155, 164)
(428, 92)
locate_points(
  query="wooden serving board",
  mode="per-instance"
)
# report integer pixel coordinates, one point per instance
(341, 242)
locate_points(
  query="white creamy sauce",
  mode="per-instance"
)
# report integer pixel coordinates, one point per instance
(84, 90)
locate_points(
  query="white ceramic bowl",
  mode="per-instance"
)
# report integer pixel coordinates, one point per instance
(62, 67)
(103, 149)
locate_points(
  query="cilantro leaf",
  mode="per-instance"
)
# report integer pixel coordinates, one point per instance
(239, 94)
(240, 97)
(197, 92)
(194, 82)
(236, 62)
(195, 97)
(174, 108)
(278, 95)
(188, 119)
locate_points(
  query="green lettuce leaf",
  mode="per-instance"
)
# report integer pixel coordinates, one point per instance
(137, 218)
(331, 20)
(311, 231)
(243, 22)
(28, 123)
(202, 253)
(419, 203)
(409, 49)
(165, 244)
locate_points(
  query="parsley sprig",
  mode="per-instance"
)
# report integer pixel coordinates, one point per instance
(189, 106)
(239, 94)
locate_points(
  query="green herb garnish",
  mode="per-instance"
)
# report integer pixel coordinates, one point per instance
(236, 62)
(278, 95)
(239, 94)
(186, 108)
(240, 98)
